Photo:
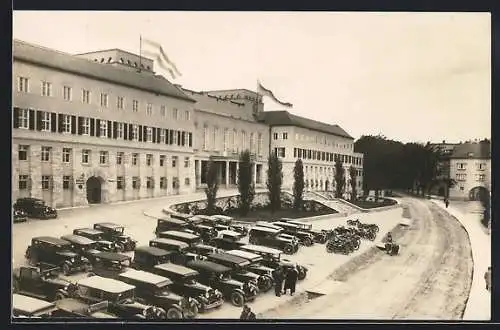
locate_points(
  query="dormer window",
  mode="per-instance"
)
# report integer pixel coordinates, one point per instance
(109, 60)
(470, 154)
(95, 59)
(148, 67)
(129, 63)
(121, 60)
(102, 60)
(135, 64)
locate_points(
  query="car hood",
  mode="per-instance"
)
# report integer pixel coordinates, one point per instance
(67, 254)
(198, 286)
(57, 281)
(263, 268)
(233, 282)
(246, 274)
(169, 296)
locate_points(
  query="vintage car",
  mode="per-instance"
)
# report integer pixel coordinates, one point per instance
(120, 297)
(203, 250)
(35, 208)
(115, 233)
(271, 238)
(180, 255)
(223, 219)
(255, 260)
(146, 257)
(319, 235)
(110, 264)
(206, 232)
(39, 282)
(240, 270)
(188, 238)
(19, 216)
(268, 225)
(218, 277)
(98, 237)
(169, 224)
(180, 216)
(83, 246)
(155, 289)
(304, 237)
(24, 306)
(184, 283)
(79, 308)
(57, 252)
(241, 229)
(228, 240)
(272, 258)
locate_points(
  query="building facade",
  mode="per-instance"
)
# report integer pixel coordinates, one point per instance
(103, 127)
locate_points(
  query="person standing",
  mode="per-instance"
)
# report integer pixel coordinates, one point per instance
(247, 313)
(291, 280)
(446, 202)
(278, 278)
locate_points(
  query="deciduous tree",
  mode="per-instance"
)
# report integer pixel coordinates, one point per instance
(274, 181)
(339, 179)
(298, 184)
(212, 186)
(245, 183)
(353, 174)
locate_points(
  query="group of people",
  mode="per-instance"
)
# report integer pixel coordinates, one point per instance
(287, 275)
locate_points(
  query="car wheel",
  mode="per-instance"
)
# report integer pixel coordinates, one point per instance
(193, 312)
(308, 242)
(174, 314)
(302, 275)
(237, 299)
(288, 249)
(59, 296)
(66, 269)
(120, 247)
(267, 284)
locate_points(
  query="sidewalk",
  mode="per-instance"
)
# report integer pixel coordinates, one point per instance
(479, 303)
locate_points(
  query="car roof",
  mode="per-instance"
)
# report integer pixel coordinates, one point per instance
(208, 265)
(89, 230)
(29, 304)
(109, 225)
(244, 254)
(182, 245)
(180, 234)
(105, 284)
(260, 248)
(157, 252)
(222, 217)
(112, 256)
(173, 220)
(51, 240)
(265, 224)
(30, 199)
(77, 239)
(266, 229)
(230, 233)
(146, 277)
(205, 246)
(177, 269)
(282, 223)
(203, 217)
(229, 257)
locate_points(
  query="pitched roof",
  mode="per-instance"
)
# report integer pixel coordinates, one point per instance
(480, 150)
(284, 118)
(65, 62)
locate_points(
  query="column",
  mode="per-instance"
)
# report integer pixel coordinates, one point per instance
(198, 173)
(254, 173)
(227, 174)
(237, 169)
(15, 172)
(57, 177)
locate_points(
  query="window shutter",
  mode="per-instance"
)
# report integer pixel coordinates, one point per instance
(110, 129)
(60, 119)
(97, 127)
(171, 141)
(167, 136)
(178, 138)
(158, 133)
(183, 135)
(16, 117)
(80, 125)
(92, 126)
(125, 131)
(190, 139)
(144, 133)
(73, 124)
(115, 124)
(154, 134)
(140, 133)
(130, 130)
(39, 120)
(32, 119)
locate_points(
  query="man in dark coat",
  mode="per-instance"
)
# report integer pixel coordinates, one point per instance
(247, 313)
(278, 277)
(291, 279)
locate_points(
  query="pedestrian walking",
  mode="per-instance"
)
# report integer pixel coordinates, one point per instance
(446, 202)
(278, 277)
(247, 313)
(291, 280)
(487, 279)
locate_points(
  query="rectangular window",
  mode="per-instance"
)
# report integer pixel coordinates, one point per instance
(150, 184)
(103, 128)
(205, 138)
(86, 126)
(275, 136)
(285, 136)
(46, 182)
(120, 182)
(135, 158)
(67, 93)
(175, 114)
(163, 182)
(214, 138)
(163, 111)
(119, 130)
(67, 182)
(226, 138)
(149, 109)
(46, 122)
(24, 116)
(135, 105)
(162, 135)
(66, 124)
(103, 157)
(174, 161)
(85, 156)
(46, 154)
(23, 182)
(135, 132)
(280, 152)
(119, 158)
(186, 161)
(149, 134)
(149, 159)
(104, 100)
(188, 115)
(86, 96)
(136, 183)
(162, 160)
(119, 102)
(22, 153)
(186, 181)
(260, 144)
(175, 140)
(481, 177)
(66, 155)
(46, 88)
(23, 84)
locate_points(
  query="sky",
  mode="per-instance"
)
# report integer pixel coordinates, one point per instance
(409, 76)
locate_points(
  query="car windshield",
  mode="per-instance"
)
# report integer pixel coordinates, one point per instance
(119, 230)
(190, 280)
(120, 297)
(224, 276)
(39, 203)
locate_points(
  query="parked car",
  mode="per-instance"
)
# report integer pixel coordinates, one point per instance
(319, 235)
(241, 229)
(57, 252)
(188, 238)
(165, 224)
(255, 265)
(24, 306)
(120, 296)
(185, 284)
(180, 255)
(218, 277)
(19, 216)
(271, 238)
(146, 257)
(98, 237)
(79, 308)
(110, 264)
(223, 219)
(203, 250)
(228, 240)
(180, 216)
(272, 258)
(115, 233)
(155, 289)
(304, 237)
(207, 233)
(83, 246)
(240, 270)
(35, 208)
(39, 282)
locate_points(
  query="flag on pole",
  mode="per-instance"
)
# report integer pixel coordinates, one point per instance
(156, 52)
(266, 92)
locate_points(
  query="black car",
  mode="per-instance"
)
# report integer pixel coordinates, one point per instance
(98, 237)
(115, 233)
(218, 277)
(203, 250)
(155, 290)
(228, 240)
(180, 250)
(38, 282)
(170, 224)
(57, 252)
(35, 208)
(304, 237)
(184, 283)
(119, 295)
(83, 246)
(255, 260)
(182, 236)
(207, 233)
(320, 236)
(273, 238)
(146, 257)
(110, 264)
(19, 216)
